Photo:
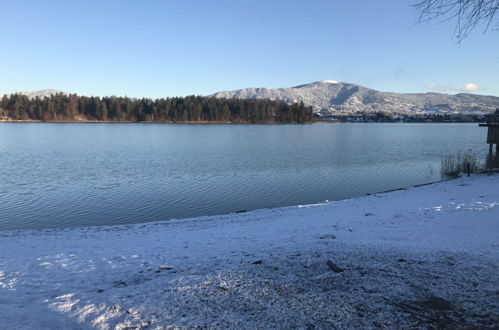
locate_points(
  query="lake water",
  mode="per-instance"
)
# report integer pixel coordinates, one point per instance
(67, 175)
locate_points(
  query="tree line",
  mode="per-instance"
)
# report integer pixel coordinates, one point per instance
(62, 107)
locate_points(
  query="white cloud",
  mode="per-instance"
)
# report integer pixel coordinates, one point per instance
(469, 87)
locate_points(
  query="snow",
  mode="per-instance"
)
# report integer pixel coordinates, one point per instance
(335, 95)
(329, 81)
(401, 253)
(41, 93)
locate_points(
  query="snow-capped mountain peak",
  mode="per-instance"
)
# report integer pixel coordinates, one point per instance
(328, 81)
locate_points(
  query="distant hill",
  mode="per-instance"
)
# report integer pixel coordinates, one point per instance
(41, 93)
(329, 96)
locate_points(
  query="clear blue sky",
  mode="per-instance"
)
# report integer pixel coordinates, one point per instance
(176, 48)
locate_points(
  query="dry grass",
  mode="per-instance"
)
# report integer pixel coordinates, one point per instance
(464, 162)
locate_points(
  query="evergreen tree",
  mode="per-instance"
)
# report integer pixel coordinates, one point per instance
(189, 109)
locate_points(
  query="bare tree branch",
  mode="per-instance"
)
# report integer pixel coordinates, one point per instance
(468, 14)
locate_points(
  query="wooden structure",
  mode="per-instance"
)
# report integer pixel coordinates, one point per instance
(493, 130)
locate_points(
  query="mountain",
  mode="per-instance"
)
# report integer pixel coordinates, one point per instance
(329, 96)
(41, 93)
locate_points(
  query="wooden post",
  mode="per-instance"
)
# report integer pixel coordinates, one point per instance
(492, 124)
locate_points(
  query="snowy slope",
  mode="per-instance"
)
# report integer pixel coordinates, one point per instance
(417, 257)
(41, 93)
(340, 96)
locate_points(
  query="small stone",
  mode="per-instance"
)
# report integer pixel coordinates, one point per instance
(334, 267)
(119, 283)
(165, 267)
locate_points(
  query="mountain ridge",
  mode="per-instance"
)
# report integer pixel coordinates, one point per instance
(342, 98)
(40, 93)
(333, 97)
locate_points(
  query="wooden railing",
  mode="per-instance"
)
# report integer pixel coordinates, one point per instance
(492, 119)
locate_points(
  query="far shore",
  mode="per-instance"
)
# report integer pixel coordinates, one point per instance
(150, 122)
(216, 122)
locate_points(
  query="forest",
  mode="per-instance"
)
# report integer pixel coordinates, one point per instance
(63, 107)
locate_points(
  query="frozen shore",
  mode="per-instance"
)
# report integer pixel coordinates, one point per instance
(421, 257)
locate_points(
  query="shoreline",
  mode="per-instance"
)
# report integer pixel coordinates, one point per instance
(218, 122)
(422, 256)
(150, 122)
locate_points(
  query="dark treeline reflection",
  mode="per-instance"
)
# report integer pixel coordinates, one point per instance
(61, 107)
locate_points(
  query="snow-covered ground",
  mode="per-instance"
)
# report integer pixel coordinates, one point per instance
(425, 256)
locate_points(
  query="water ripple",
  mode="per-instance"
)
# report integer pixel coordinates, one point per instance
(119, 174)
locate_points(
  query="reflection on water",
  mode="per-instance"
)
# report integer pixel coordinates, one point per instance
(67, 175)
(492, 162)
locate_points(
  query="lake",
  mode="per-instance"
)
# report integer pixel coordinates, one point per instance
(57, 175)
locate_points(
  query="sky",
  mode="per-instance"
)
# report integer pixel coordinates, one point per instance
(167, 48)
